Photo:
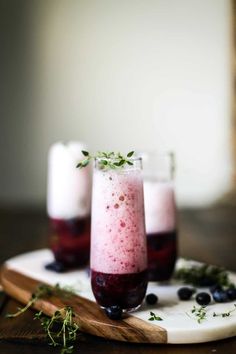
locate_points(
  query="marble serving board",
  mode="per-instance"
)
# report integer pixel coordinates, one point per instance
(22, 274)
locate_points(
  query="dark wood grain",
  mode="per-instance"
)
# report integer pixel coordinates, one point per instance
(88, 315)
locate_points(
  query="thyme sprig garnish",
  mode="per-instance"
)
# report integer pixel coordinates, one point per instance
(154, 317)
(42, 291)
(204, 275)
(60, 328)
(199, 313)
(109, 160)
(224, 314)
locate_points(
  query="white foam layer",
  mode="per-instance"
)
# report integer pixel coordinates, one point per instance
(118, 244)
(69, 188)
(160, 208)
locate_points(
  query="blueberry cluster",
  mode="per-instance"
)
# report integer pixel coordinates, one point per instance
(219, 294)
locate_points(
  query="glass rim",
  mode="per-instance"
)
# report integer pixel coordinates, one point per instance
(133, 158)
(157, 153)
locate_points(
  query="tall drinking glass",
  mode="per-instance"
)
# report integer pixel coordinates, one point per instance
(68, 205)
(160, 215)
(118, 239)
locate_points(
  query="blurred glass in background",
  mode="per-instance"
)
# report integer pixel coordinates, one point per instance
(68, 206)
(160, 214)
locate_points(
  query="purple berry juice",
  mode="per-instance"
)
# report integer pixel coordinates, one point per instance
(162, 253)
(160, 215)
(118, 239)
(70, 241)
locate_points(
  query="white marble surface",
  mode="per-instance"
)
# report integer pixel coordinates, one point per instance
(180, 324)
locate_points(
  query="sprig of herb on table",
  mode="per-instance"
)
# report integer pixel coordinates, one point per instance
(154, 317)
(203, 275)
(225, 314)
(60, 328)
(42, 291)
(110, 160)
(199, 313)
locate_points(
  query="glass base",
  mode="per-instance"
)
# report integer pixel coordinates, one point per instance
(124, 290)
(124, 311)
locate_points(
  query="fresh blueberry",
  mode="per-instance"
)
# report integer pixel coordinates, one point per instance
(220, 296)
(151, 299)
(56, 266)
(203, 299)
(231, 292)
(215, 287)
(114, 312)
(185, 293)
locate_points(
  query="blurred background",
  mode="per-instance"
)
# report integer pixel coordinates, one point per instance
(118, 75)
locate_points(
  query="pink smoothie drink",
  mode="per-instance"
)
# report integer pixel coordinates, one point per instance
(118, 238)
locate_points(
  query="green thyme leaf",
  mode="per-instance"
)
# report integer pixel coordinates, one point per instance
(85, 153)
(154, 317)
(122, 162)
(104, 162)
(85, 163)
(129, 163)
(119, 163)
(130, 154)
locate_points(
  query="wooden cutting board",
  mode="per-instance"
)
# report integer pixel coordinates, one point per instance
(21, 276)
(88, 315)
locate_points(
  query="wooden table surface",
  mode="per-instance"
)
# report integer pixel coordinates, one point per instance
(207, 235)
